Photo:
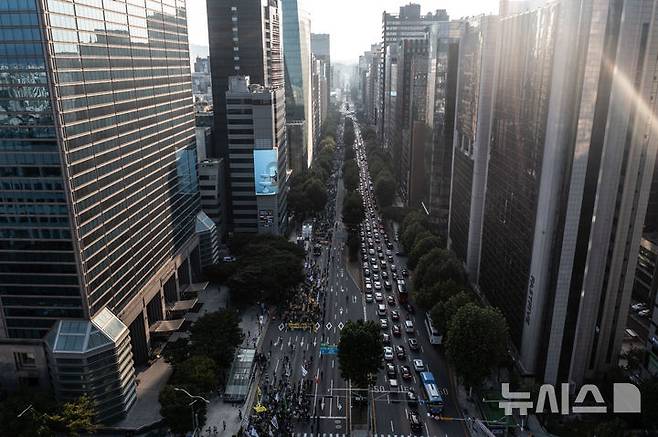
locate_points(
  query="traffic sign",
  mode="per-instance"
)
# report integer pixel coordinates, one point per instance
(328, 349)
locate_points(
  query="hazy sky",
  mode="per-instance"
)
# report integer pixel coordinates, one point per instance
(353, 24)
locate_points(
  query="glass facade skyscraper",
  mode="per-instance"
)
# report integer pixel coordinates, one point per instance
(98, 172)
(297, 68)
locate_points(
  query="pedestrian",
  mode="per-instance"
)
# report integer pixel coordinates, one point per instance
(224, 425)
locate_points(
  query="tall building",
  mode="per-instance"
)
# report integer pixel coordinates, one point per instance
(474, 100)
(245, 39)
(258, 164)
(212, 188)
(299, 101)
(408, 24)
(408, 132)
(100, 189)
(321, 48)
(444, 39)
(571, 162)
(368, 77)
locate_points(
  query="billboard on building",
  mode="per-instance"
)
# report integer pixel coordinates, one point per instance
(266, 177)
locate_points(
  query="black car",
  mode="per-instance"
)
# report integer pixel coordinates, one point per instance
(396, 330)
(410, 308)
(413, 344)
(405, 273)
(405, 371)
(412, 398)
(399, 352)
(395, 315)
(391, 371)
(414, 421)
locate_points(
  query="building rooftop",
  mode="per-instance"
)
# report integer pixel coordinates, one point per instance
(81, 336)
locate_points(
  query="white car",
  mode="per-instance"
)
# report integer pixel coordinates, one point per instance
(388, 353)
(419, 366)
(378, 285)
(379, 297)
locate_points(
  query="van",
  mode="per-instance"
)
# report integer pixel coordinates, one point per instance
(381, 309)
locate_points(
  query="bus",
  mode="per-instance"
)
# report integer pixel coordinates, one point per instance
(434, 335)
(434, 399)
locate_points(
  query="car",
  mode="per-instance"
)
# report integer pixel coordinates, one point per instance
(405, 371)
(375, 276)
(394, 275)
(383, 323)
(394, 268)
(391, 371)
(386, 339)
(396, 330)
(419, 366)
(379, 297)
(381, 256)
(382, 264)
(412, 398)
(393, 384)
(367, 280)
(371, 251)
(373, 260)
(644, 313)
(368, 287)
(381, 310)
(395, 315)
(378, 285)
(410, 308)
(388, 353)
(366, 272)
(369, 298)
(405, 273)
(414, 421)
(228, 259)
(387, 285)
(384, 274)
(375, 267)
(409, 327)
(413, 344)
(389, 246)
(388, 252)
(390, 259)
(390, 300)
(638, 306)
(400, 353)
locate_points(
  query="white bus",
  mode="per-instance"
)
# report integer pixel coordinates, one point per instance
(433, 334)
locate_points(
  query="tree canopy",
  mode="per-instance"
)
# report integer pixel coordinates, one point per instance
(443, 311)
(360, 352)
(476, 342)
(176, 411)
(216, 335)
(422, 247)
(384, 189)
(353, 211)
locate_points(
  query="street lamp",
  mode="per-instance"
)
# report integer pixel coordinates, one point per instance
(194, 399)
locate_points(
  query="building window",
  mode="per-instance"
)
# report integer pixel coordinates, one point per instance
(25, 360)
(234, 8)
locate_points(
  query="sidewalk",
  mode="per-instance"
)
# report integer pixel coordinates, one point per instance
(220, 412)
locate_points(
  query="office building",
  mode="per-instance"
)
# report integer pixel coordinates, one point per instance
(474, 100)
(408, 128)
(212, 188)
(444, 39)
(299, 101)
(408, 24)
(258, 163)
(100, 189)
(245, 39)
(368, 82)
(569, 174)
(208, 235)
(321, 48)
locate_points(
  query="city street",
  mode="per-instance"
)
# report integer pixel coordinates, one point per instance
(295, 355)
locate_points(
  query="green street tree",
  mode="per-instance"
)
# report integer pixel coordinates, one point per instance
(75, 417)
(409, 236)
(350, 175)
(198, 372)
(384, 189)
(476, 342)
(413, 216)
(431, 258)
(422, 247)
(176, 411)
(443, 311)
(316, 193)
(360, 352)
(216, 336)
(353, 211)
(427, 297)
(449, 269)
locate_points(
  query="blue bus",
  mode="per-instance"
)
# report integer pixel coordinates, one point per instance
(434, 399)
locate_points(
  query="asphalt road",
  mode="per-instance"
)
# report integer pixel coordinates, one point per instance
(343, 300)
